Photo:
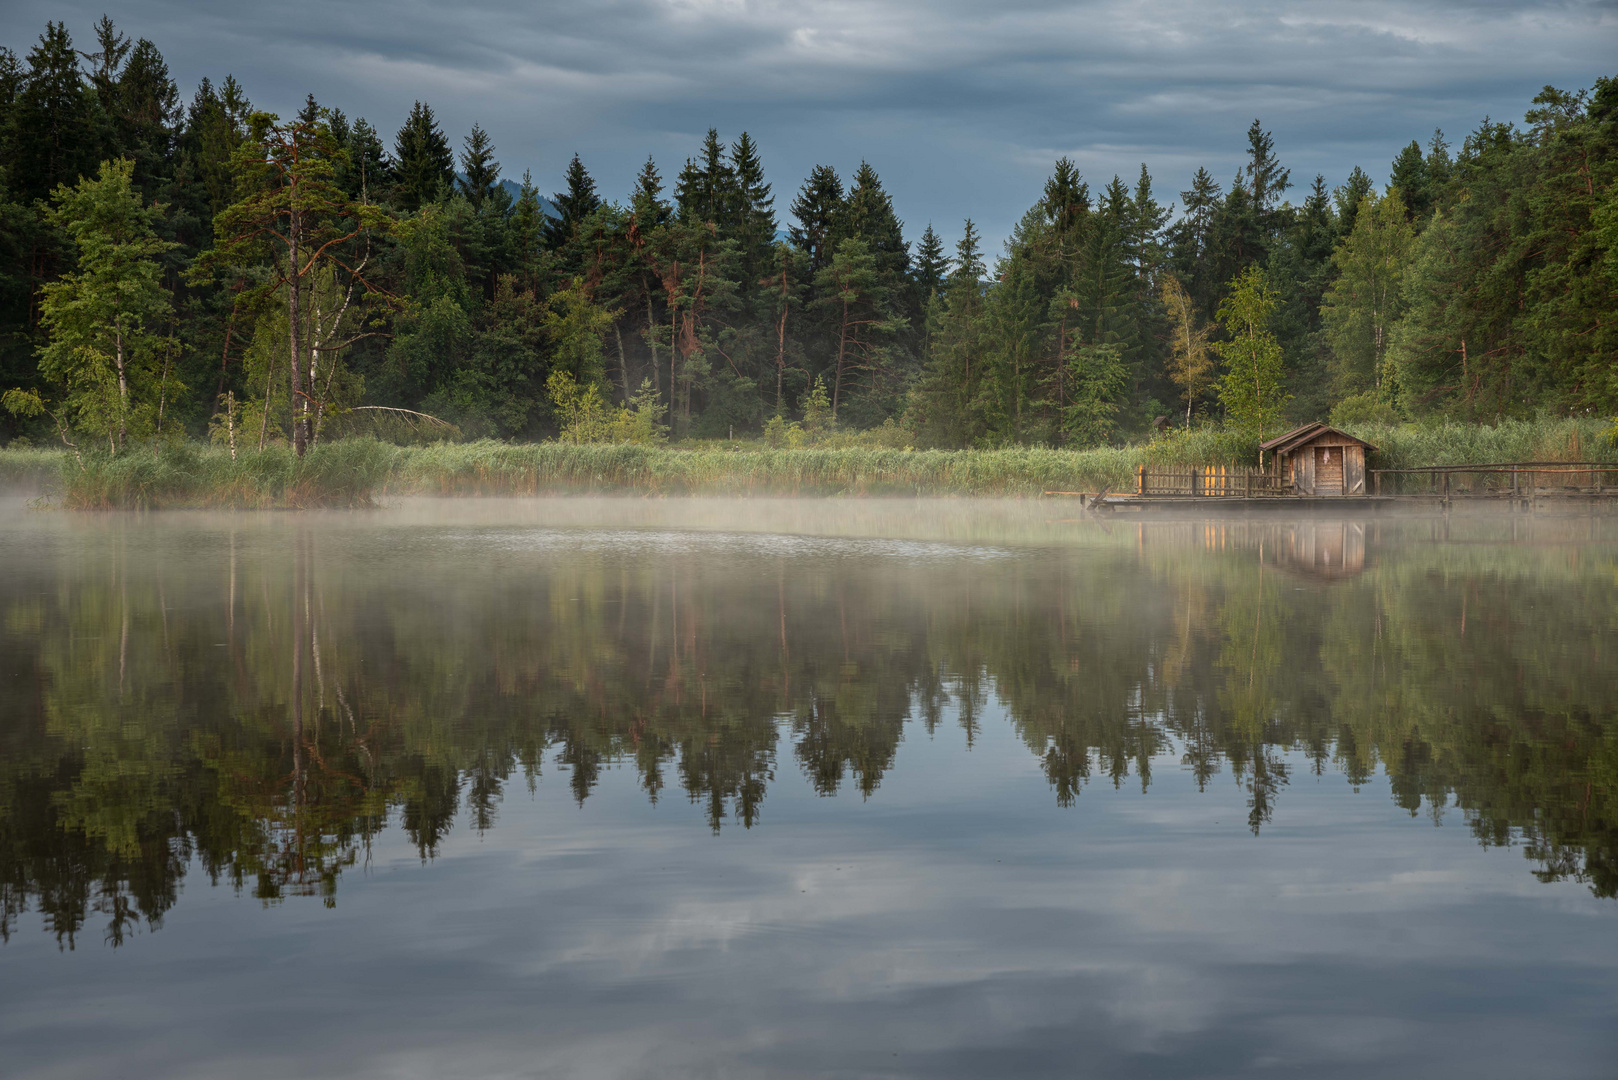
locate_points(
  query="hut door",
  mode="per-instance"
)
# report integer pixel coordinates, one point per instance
(1328, 470)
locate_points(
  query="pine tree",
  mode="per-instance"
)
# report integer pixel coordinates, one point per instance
(819, 208)
(575, 204)
(480, 173)
(424, 168)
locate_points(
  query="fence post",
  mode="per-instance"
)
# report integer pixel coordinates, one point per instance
(1140, 479)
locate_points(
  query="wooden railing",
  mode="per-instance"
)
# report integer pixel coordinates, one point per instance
(1210, 481)
(1517, 479)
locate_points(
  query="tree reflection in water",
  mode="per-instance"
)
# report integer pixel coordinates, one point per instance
(264, 707)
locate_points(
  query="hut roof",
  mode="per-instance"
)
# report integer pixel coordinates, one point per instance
(1295, 438)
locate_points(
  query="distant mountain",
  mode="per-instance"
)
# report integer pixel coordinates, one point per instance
(514, 189)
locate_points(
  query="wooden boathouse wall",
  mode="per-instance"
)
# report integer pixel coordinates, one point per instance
(1319, 460)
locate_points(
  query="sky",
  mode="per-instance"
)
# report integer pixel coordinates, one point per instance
(960, 106)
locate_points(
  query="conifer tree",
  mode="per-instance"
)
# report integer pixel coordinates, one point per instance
(424, 168)
(931, 266)
(1409, 174)
(480, 173)
(1347, 197)
(1266, 179)
(706, 188)
(819, 208)
(575, 204)
(647, 202)
(56, 125)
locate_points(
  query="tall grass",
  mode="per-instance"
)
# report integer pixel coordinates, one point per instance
(177, 475)
(353, 472)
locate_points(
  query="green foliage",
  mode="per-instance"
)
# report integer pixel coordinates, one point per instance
(112, 370)
(1251, 387)
(585, 417)
(1364, 304)
(1097, 379)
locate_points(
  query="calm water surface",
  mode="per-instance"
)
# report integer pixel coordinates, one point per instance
(667, 789)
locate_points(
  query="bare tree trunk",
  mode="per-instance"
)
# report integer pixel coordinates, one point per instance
(781, 344)
(123, 383)
(623, 361)
(300, 435)
(842, 348)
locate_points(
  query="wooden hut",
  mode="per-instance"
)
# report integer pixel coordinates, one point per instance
(1317, 459)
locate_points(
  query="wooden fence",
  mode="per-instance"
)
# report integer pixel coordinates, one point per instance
(1210, 481)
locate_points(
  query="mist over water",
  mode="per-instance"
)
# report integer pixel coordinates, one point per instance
(604, 788)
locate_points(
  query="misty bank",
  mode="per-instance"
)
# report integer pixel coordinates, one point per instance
(358, 472)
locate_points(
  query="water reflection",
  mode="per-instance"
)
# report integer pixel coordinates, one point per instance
(260, 700)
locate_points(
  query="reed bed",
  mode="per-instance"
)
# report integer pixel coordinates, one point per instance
(490, 468)
(180, 475)
(1414, 446)
(29, 469)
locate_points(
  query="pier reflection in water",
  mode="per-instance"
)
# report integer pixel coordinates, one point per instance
(272, 705)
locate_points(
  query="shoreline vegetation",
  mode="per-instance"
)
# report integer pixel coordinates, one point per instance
(356, 473)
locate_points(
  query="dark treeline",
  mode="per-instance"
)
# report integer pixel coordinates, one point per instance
(263, 718)
(173, 267)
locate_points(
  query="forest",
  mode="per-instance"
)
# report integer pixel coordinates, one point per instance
(205, 270)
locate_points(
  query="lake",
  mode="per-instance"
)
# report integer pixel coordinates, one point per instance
(665, 788)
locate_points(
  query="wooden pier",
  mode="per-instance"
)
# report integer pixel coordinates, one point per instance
(1520, 487)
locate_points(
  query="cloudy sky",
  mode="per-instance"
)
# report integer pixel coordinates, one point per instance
(961, 106)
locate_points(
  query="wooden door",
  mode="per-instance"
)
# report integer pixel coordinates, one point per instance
(1328, 470)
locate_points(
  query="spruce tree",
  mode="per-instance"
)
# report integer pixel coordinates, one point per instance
(931, 265)
(575, 204)
(819, 209)
(424, 168)
(480, 173)
(1348, 195)
(1409, 174)
(706, 188)
(869, 217)
(56, 125)
(647, 202)
(1266, 179)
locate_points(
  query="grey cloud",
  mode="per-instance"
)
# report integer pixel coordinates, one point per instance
(959, 105)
